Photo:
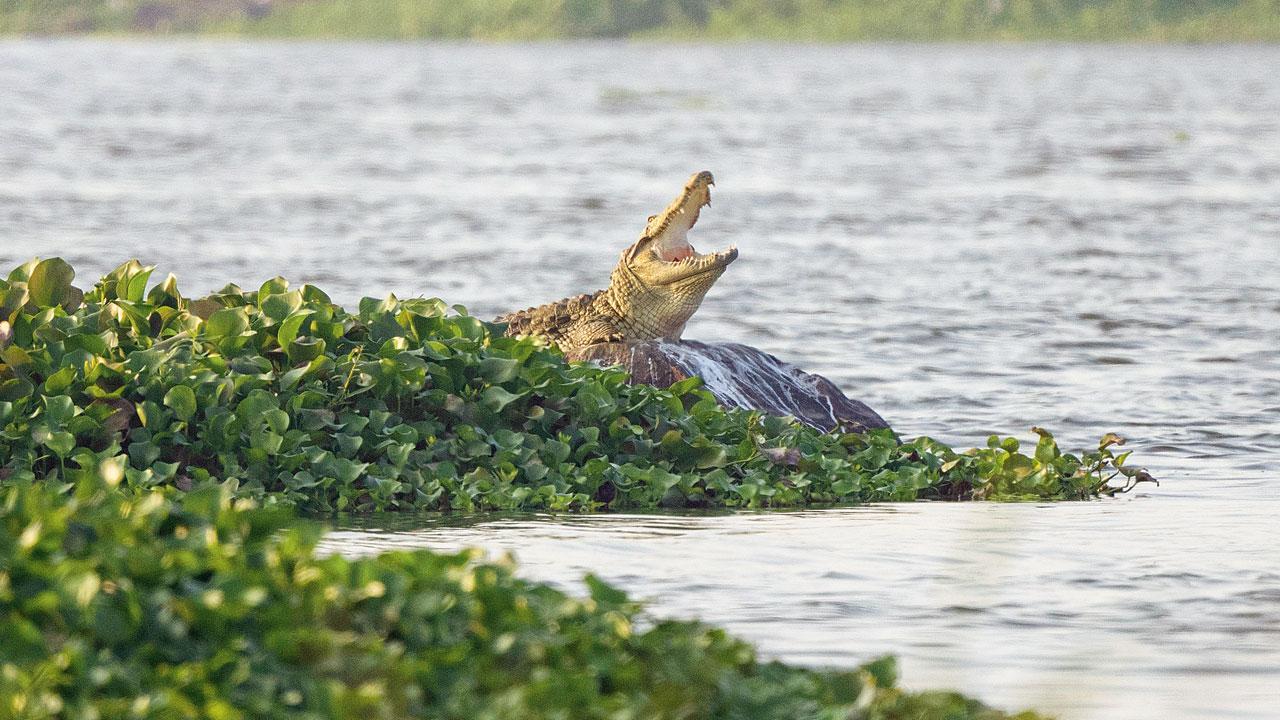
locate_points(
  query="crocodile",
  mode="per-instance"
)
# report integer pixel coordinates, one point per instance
(655, 288)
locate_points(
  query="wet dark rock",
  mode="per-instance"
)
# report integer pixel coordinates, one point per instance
(739, 376)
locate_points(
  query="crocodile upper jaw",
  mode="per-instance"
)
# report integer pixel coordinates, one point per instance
(671, 257)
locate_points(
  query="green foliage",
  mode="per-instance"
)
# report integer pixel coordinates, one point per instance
(926, 20)
(828, 20)
(283, 396)
(133, 605)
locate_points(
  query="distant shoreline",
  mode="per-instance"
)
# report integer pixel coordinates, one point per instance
(656, 41)
(704, 21)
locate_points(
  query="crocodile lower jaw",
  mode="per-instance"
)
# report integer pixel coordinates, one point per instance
(697, 259)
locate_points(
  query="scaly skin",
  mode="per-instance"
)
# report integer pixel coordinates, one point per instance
(657, 285)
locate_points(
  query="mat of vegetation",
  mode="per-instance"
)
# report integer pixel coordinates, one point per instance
(827, 20)
(283, 396)
(134, 605)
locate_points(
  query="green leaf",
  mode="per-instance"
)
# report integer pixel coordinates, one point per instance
(256, 404)
(61, 443)
(304, 350)
(88, 342)
(15, 357)
(60, 381)
(711, 457)
(291, 378)
(22, 273)
(59, 410)
(267, 441)
(274, 286)
(686, 385)
(135, 285)
(498, 370)
(13, 299)
(291, 325)
(1046, 449)
(1110, 439)
(279, 306)
(469, 327)
(226, 323)
(496, 398)
(277, 420)
(182, 399)
(50, 283)
(166, 293)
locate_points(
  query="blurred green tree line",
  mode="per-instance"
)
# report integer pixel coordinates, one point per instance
(823, 20)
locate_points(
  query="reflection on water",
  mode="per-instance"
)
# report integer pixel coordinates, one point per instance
(970, 239)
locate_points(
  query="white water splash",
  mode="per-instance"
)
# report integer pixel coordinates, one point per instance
(744, 377)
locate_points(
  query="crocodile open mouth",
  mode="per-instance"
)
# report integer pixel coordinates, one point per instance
(687, 256)
(672, 245)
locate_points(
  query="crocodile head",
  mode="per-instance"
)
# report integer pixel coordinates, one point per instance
(660, 280)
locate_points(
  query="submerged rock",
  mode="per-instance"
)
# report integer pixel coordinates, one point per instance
(739, 376)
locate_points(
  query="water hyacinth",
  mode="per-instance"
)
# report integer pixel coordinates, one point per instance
(132, 604)
(283, 396)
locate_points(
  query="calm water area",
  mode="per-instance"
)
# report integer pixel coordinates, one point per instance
(970, 239)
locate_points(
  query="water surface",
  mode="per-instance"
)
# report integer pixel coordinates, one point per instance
(970, 239)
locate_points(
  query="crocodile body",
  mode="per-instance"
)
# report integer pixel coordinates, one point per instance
(655, 288)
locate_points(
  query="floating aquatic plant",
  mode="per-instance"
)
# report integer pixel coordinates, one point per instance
(283, 396)
(132, 604)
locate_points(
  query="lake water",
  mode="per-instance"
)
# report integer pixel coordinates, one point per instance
(970, 239)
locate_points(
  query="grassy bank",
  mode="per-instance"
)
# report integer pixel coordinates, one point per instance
(822, 20)
(287, 398)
